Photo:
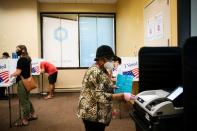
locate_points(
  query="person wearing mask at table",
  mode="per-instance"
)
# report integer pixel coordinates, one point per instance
(51, 70)
(23, 70)
(5, 55)
(95, 100)
(117, 68)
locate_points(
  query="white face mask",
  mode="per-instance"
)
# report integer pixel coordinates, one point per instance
(109, 66)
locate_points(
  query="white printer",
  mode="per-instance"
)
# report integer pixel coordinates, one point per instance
(158, 110)
(159, 102)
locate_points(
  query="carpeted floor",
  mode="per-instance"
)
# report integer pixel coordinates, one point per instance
(57, 114)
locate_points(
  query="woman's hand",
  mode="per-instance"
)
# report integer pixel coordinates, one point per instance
(129, 96)
(16, 73)
(12, 79)
(123, 96)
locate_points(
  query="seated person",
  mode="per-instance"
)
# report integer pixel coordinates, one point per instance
(117, 68)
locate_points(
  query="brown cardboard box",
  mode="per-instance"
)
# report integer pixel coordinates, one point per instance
(115, 109)
(135, 87)
(120, 109)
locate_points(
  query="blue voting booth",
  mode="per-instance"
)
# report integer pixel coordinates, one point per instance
(124, 83)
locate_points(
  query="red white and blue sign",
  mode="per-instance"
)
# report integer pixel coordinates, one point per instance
(130, 66)
(35, 70)
(4, 77)
(5, 70)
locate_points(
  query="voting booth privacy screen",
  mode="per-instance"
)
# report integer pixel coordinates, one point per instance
(129, 72)
(7, 67)
(35, 63)
(189, 82)
(160, 68)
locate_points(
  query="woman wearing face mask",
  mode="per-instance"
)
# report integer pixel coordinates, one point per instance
(94, 106)
(23, 70)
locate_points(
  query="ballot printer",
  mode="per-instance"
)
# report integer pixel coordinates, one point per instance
(158, 110)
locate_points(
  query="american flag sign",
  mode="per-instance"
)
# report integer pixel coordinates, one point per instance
(4, 77)
(36, 69)
(133, 72)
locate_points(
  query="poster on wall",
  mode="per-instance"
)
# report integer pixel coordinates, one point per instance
(159, 26)
(130, 66)
(157, 23)
(154, 27)
(150, 29)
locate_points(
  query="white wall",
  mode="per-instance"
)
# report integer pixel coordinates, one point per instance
(19, 25)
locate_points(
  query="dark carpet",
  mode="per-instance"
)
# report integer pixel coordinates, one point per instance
(57, 114)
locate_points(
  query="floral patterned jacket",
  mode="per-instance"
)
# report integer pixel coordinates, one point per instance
(95, 98)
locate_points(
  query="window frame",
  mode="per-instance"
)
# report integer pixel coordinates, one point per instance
(97, 14)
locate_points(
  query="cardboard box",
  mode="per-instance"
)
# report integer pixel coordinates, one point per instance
(135, 87)
(120, 109)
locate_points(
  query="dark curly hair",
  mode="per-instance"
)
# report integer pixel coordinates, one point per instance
(116, 58)
(6, 54)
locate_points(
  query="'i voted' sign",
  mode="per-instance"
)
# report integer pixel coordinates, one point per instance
(4, 73)
(7, 67)
(35, 70)
(130, 66)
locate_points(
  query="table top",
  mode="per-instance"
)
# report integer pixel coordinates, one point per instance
(6, 84)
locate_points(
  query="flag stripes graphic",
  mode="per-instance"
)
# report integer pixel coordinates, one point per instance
(4, 77)
(128, 73)
(35, 69)
(135, 72)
